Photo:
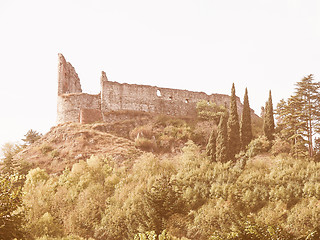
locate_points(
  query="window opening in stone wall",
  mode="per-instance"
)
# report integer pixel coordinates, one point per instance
(170, 98)
(158, 93)
(187, 100)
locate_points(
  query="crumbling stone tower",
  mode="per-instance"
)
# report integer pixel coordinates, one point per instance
(75, 106)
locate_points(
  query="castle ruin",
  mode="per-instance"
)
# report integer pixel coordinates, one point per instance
(75, 106)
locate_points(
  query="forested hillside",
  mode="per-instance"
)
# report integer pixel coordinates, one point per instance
(218, 176)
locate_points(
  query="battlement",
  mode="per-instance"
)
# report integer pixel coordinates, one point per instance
(75, 106)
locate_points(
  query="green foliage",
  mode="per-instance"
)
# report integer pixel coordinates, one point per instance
(163, 200)
(268, 124)
(208, 110)
(164, 135)
(280, 146)
(307, 91)
(249, 230)
(211, 146)
(46, 148)
(11, 218)
(70, 237)
(72, 203)
(146, 144)
(233, 127)
(54, 153)
(258, 146)
(31, 136)
(222, 145)
(245, 126)
(9, 150)
(299, 116)
(153, 236)
(185, 193)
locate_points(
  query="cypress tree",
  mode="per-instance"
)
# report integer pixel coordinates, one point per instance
(246, 127)
(222, 140)
(233, 126)
(268, 122)
(211, 146)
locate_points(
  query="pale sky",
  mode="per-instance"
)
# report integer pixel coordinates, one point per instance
(198, 45)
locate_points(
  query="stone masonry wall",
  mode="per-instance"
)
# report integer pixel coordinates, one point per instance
(68, 80)
(175, 102)
(70, 105)
(90, 115)
(75, 106)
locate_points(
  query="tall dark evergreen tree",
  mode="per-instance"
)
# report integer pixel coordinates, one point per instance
(268, 122)
(211, 146)
(246, 127)
(233, 126)
(222, 140)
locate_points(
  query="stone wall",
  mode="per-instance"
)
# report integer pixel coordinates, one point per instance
(68, 80)
(90, 115)
(74, 106)
(175, 102)
(70, 105)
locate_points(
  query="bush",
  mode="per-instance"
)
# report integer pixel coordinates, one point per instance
(70, 237)
(45, 148)
(280, 146)
(10, 200)
(153, 236)
(258, 146)
(146, 144)
(210, 111)
(165, 135)
(142, 131)
(251, 230)
(54, 153)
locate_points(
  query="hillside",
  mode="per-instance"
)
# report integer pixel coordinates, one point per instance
(134, 173)
(69, 143)
(124, 136)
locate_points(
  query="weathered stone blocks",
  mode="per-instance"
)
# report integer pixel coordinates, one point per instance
(75, 106)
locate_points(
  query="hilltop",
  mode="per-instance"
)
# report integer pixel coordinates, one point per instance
(68, 143)
(126, 135)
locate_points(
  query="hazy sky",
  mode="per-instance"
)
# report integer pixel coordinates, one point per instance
(199, 45)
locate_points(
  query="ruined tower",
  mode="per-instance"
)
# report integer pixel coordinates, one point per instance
(68, 80)
(72, 104)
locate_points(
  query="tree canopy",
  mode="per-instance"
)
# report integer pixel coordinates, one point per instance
(233, 126)
(268, 124)
(299, 116)
(246, 127)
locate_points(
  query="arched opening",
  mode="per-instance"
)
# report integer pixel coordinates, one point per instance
(159, 93)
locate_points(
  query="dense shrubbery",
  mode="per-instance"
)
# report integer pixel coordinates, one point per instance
(258, 146)
(265, 193)
(188, 195)
(165, 135)
(210, 111)
(11, 218)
